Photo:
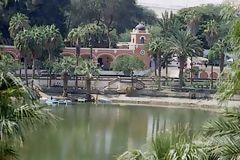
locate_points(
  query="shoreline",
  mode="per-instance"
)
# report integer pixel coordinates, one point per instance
(165, 102)
(216, 110)
(170, 102)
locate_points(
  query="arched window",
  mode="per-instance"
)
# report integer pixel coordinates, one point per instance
(142, 40)
(133, 40)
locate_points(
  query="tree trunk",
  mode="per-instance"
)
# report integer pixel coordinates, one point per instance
(65, 83)
(76, 80)
(212, 76)
(50, 78)
(25, 70)
(88, 89)
(167, 72)
(191, 71)
(33, 70)
(132, 79)
(109, 40)
(155, 66)
(182, 62)
(49, 70)
(222, 56)
(159, 70)
(20, 67)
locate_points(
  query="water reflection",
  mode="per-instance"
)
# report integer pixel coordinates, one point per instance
(103, 132)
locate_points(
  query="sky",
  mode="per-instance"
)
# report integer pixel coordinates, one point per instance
(178, 3)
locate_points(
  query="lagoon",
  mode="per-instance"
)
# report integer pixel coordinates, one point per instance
(91, 132)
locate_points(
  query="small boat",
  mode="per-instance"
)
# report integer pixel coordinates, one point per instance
(82, 100)
(64, 102)
(104, 101)
(54, 102)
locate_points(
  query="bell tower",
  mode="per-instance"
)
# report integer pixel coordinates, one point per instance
(139, 39)
(140, 35)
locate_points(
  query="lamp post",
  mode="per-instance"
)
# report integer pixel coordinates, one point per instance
(78, 48)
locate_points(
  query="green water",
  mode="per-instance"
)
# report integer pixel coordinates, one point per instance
(89, 132)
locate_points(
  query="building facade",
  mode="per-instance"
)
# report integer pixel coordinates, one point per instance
(105, 56)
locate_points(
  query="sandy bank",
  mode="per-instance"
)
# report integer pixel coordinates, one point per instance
(172, 102)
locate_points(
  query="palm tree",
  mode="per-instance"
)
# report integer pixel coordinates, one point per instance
(229, 13)
(18, 22)
(89, 70)
(168, 23)
(192, 20)
(53, 42)
(217, 52)
(170, 145)
(76, 37)
(37, 45)
(66, 66)
(157, 48)
(211, 33)
(19, 111)
(84, 35)
(230, 85)
(223, 136)
(183, 45)
(22, 41)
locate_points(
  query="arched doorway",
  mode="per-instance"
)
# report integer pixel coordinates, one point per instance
(104, 61)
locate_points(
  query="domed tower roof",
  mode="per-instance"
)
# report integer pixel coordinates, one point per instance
(141, 27)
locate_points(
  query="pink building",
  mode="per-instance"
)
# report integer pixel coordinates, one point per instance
(105, 56)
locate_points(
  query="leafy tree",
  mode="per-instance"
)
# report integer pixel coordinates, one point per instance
(40, 12)
(127, 64)
(47, 12)
(230, 85)
(155, 31)
(235, 35)
(110, 13)
(183, 45)
(205, 13)
(66, 66)
(89, 70)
